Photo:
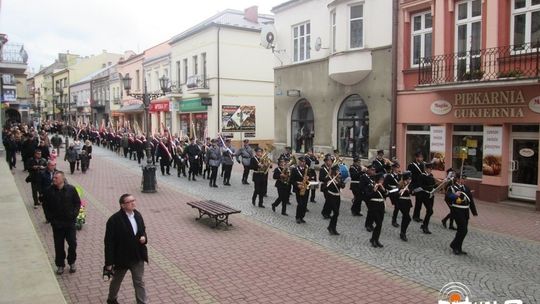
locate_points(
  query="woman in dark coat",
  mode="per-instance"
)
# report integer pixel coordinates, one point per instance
(88, 148)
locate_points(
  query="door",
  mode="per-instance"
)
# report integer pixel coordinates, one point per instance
(524, 168)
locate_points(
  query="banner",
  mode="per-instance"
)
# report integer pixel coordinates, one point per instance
(437, 148)
(492, 160)
(238, 118)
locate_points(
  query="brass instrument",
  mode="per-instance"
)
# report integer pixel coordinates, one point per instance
(265, 162)
(285, 175)
(304, 184)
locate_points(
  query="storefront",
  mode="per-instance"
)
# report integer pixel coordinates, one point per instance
(491, 133)
(130, 115)
(160, 112)
(192, 118)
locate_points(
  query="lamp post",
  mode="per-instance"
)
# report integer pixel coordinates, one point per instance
(149, 180)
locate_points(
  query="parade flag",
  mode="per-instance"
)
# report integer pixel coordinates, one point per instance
(102, 127)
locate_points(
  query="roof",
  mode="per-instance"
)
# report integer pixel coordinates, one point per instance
(230, 18)
(284, 5)
(89, 77)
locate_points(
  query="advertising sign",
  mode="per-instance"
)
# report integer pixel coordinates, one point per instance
(437, 146)
(238, 118)
(491, 164)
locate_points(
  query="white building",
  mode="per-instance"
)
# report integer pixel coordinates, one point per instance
(333, 68)
(225, 77)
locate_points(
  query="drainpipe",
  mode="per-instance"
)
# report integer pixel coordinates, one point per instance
(218, 84)
(393, 115)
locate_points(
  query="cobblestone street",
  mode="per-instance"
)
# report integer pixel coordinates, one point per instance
(268, 258)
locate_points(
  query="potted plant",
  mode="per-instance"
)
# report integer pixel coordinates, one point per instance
(511, 74)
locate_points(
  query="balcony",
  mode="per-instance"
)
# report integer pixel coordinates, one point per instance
(350, 67)
(499, 64)
(13, 58)
(197, 84)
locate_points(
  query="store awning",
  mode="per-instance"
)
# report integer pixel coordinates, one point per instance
(132, 108)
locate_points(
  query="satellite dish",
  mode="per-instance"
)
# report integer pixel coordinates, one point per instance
(318, 44)
(268, 36)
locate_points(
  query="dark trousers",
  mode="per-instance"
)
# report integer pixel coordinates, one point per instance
(326, 207)
(334, 201)
(35, 192)
(428, 203)
(165, 165)
(258, 191)
(137, 273)
(283, 199)
(71, 167)
(180, 166)
(369, 216)
(312, 195)
(245, 174)
(357, 202)
(11, 158)
(301, 200)
(449, 217)
(461, 216)
(140, 155)
(193, 167)
(417, 206)
(69, 235)
(394, 200)
(405, 209)
(377, 214)
(206, 172)
(213, 175)
(126, 150)
(227, 174)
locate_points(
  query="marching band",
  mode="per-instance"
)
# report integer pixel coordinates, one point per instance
(370, 184)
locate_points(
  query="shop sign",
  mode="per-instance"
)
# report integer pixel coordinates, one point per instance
(159, 106)
(491, 164)
(534, 104)
(441, 107)
(9, 95)
(526, 152)
(238, 118)
(249, 135)
(192, 105)
(437, 142)
(495, 104)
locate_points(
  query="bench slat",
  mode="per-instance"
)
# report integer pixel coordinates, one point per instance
(213, 208)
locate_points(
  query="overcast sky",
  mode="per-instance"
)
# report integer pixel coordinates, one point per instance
(47, 27)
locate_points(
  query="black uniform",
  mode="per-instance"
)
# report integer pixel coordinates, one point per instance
(417, 170)
(333, 189)
(356, 174)
(375, 205)
(164, 155)
(297, 175)
(427, 183)
(193, 152)
(311, 161)
(404, 205)
(259, 177)
(324, 173)
(379, 166)
(36, 166)
(460, 212)
(391, 183)
(284, 190)
(366, 186)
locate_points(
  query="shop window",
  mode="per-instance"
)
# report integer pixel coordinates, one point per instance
(353, 127)
(418, 139)
(302, 127)
(467, 141)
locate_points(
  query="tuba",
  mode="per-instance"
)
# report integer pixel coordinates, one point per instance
(266, 161)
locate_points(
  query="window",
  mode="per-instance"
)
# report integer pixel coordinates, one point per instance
(418, 139)
(468, 37)
(303, 131)
(138, 80)
(301, 42)
(178, 72)
(185, 70)
(353, 127)
(195, 65)
(333, 29)
(421, 37)
(467, 140)
(357, 26)
(203, 61)
(525, 23)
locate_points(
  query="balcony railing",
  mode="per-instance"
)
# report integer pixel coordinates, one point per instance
(197, 82)
(13, 53)
(513, 62)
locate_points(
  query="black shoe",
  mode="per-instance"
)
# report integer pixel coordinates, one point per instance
(298, 221)
(253, 202)
(379, 244)
(72, 268)
(112, 302)
(288, 203)
(462, 252)
(194, 179)
(456, 252)
(425, 230)
(283, 213)
(189, 178)
(452, 228)
(373, 244)
(273, 208)
(227, 184)
(369, 228)
(302, 221)
(403, 237)
(444, 223)
(215, 186)
(59, 270)
(261, 205)
(417, 219)
(357, 214)
(395, 224)
(307, 210)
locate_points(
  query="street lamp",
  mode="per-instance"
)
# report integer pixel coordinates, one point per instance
(149, 180)
(60, 91)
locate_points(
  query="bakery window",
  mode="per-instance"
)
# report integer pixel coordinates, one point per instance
(467, 141)
(417, 140)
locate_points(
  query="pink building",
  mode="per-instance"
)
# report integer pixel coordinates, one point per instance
(469, 93)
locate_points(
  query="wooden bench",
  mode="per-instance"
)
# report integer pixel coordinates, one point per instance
(214, 210)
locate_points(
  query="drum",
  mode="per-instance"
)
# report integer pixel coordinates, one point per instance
(344, 171)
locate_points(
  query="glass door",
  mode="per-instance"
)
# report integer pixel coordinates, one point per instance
(468, 39)
(524, 168)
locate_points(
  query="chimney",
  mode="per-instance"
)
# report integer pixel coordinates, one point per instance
(251, 14)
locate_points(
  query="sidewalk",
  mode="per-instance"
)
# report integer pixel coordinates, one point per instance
(26, 277)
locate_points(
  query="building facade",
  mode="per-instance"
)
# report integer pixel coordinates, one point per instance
(332, 75)
(468, 92)
(225, 79)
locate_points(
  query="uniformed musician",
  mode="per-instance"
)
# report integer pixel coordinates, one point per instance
(391, 183)
(259, 175)
(404, 203)
(366, 186)
(298, 181)
(193, 153)
(417, 170)
(356, 173)
(376, 196)
(228, 161)
(427, 183)
(246, 153)
(213, 155)
(324, 173)
(281, 176)
(461, 202)
(311, 161)
(333, 190)
(378, 162)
